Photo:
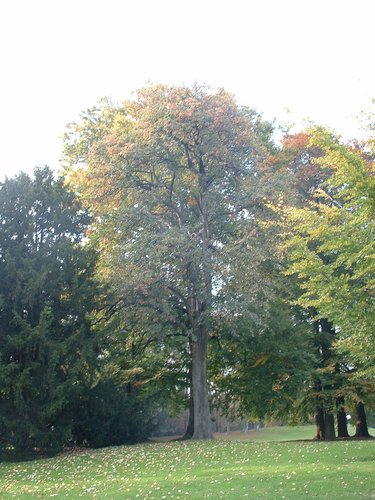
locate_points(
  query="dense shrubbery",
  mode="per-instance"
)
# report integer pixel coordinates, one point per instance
(110, 414)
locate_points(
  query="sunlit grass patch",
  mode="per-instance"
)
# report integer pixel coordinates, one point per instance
(214, 469)
(271, 434)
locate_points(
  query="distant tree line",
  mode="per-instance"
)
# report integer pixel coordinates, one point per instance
(185, 260)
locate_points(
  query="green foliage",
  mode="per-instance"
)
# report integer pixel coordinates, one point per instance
(110, 414)
(147, 365)
(261, 368)
(47, 294)
(331, 245)
(167, 176)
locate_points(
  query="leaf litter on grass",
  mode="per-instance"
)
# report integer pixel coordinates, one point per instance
(213, 469)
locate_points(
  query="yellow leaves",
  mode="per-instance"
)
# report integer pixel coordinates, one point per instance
(260, 360)
(328, 368)
(278, 385)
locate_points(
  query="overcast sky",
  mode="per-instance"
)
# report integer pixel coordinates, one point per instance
(314, 58)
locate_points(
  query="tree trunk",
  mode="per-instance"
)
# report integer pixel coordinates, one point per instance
(202, 417)
(342, 425)
(361, 429)
(319, 422)
(201, 310)
(190, 426)
(329, 427)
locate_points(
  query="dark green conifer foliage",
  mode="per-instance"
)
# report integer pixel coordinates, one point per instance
(46, 294)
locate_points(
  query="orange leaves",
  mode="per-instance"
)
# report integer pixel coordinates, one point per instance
(296, 141)
(191, 202)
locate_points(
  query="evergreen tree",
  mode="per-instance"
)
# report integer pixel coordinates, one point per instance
(47, 293)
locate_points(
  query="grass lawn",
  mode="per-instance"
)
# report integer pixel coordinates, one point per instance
(272, 434)
(221, 468)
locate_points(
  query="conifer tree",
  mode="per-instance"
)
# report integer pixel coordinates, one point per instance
(47, 292)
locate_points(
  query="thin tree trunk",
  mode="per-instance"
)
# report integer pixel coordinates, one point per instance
(361, 429)
(329, 427)
(327, 333)
(190, 426)
(319, 422)
(319, 412)
(342, 425)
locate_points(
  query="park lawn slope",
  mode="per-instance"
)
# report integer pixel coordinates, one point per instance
(216, 469)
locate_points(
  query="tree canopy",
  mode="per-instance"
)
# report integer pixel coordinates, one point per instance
(185, 260)
(173, 166)
(332, 248)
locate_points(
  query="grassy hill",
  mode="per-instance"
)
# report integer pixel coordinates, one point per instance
(223, 468)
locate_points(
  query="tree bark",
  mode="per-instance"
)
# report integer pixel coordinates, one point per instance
(329, 427)
(342, 425)
(361, 429)
(319, 422)
(202, 417)
(190, 426)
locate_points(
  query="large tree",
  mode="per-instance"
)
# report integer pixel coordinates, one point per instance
(167, 173)
(47, 293)
(332, 249)
(330, 242)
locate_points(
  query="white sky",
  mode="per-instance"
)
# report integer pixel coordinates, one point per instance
(59, 57)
